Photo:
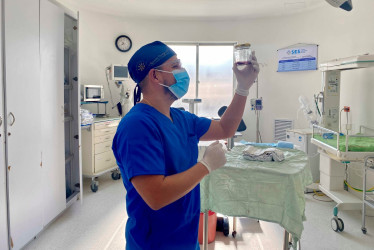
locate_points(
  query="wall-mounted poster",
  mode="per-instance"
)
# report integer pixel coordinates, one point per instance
(298, 57)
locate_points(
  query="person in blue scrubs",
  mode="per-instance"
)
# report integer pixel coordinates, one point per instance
(156, 148)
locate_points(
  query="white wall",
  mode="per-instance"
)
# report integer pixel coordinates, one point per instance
(338, 34)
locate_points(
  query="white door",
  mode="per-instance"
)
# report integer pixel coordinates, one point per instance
(52, 109)
(23, 115)
(3, 200)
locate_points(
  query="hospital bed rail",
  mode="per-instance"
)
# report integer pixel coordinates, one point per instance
(323, 138)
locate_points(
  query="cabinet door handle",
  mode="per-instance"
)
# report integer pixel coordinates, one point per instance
(1, 121)
(13, 120)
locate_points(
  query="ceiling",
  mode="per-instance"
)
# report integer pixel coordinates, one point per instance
(195, 9)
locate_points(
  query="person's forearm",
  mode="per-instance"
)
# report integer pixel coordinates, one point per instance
(167, 189)
(178, 185)
(233, 115)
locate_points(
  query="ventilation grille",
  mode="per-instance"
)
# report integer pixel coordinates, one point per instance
(280, 127)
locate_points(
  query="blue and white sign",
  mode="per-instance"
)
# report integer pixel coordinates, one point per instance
(298, 58)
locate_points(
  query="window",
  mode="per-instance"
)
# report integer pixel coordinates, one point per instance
(210, 70)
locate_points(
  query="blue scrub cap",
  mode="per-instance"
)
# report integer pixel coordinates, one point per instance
(146, 58)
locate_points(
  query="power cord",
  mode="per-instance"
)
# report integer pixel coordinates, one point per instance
(110, 91)
(349, 186)
(357, 189)
(320, 194)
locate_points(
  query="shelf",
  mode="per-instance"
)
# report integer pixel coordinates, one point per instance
(346, 201)
(370, 203)
(72, 198)
(97, 103)
(68, 118)
(104, 102)
(354, 62)
(86, 126)
(68, 158)
(369, 196)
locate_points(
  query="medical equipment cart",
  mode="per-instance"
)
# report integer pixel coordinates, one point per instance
(97, 154)
(367, 199)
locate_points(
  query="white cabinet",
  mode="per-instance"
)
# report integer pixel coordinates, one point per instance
(3, 199)
(52, 109)
(32, 157)
(97, 146)
(24, 145)
(97, 154)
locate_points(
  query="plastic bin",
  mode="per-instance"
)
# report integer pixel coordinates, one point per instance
(212, 224)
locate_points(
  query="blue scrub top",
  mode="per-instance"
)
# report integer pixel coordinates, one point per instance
(149, 143)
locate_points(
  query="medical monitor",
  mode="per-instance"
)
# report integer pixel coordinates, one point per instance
(118, 72)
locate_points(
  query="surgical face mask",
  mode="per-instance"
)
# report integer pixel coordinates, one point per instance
(180, 88)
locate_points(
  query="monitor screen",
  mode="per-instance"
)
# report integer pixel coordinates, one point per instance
(120, 72)
(93, 93)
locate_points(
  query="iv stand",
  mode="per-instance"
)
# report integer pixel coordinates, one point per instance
(257, 116)
(258, 111)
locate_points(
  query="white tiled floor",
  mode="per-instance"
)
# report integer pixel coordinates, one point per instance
(99, 224)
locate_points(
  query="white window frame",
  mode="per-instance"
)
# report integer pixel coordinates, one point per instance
(198, 44)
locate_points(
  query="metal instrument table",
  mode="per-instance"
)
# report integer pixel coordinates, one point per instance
(271, 191)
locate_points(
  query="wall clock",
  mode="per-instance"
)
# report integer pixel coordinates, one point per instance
(123, 43)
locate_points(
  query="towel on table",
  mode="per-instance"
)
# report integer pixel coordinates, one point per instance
(262, 154)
